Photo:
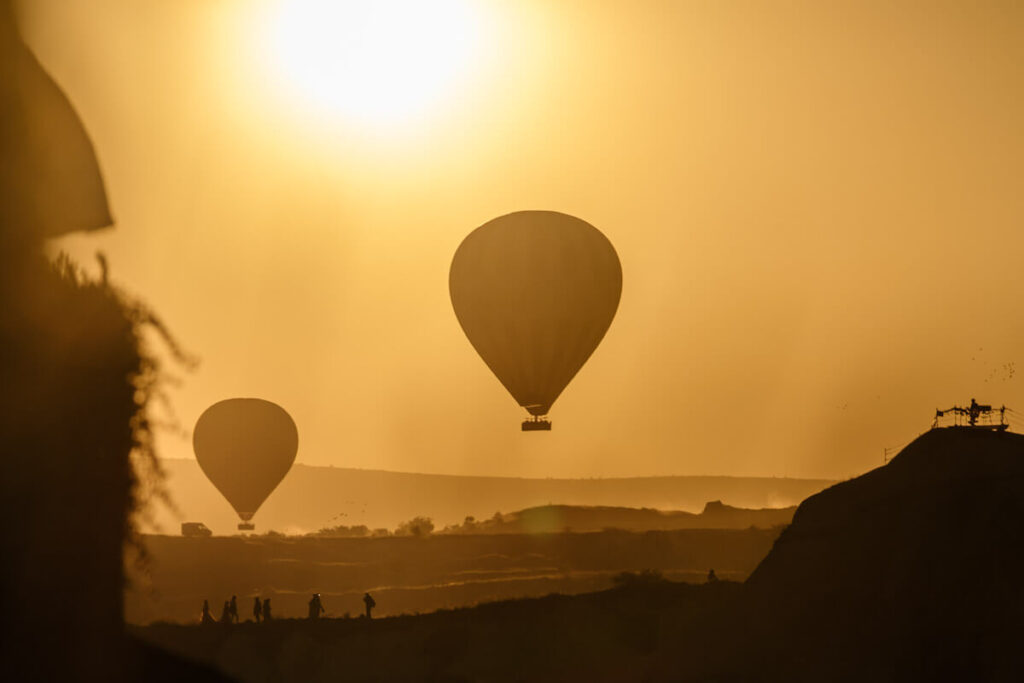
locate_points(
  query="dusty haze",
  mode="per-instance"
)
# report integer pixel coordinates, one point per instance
(817, 208)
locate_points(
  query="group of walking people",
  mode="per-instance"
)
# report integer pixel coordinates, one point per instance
(261, 610)
(316, 607)
(229, 615)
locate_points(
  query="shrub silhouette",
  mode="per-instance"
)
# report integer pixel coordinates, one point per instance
(417, 526)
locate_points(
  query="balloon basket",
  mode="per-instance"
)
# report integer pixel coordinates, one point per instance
(536, 425)
(246, 526)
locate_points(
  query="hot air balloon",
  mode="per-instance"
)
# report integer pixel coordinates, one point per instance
(245, 446)
(535, 292)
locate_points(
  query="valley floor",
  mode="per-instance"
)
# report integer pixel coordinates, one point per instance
(409, 575)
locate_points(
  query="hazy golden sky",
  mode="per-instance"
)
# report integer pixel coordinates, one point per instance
(818, 208)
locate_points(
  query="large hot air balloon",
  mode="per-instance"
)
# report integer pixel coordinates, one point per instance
(245, 446)
(535, 292)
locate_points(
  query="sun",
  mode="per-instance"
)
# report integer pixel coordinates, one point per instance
(374, 62)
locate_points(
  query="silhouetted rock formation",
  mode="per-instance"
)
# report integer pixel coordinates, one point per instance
(910, 572)
(50, 181)
(74, 385)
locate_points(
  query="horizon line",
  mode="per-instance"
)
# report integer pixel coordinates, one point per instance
(587, 478)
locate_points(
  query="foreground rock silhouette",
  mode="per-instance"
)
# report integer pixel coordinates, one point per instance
(75, 382)
(912, 571)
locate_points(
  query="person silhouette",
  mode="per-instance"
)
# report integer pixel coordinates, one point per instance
(206, 617)
(711, 576)
(256, 610)
(370, 604)
(316, 608)
(266, 610)
(225, 614)
(234, 609)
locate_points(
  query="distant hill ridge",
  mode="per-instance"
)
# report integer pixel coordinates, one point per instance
(586, 518)
(314, 497)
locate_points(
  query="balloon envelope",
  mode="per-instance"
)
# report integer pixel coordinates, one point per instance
(245, 446)
(535, 292)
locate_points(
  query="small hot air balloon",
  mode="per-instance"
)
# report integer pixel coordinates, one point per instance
(245, 446)
(535, 292)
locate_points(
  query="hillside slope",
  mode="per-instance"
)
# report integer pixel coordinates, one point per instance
(612, 636)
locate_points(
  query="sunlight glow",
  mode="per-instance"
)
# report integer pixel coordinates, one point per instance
(375, 62)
